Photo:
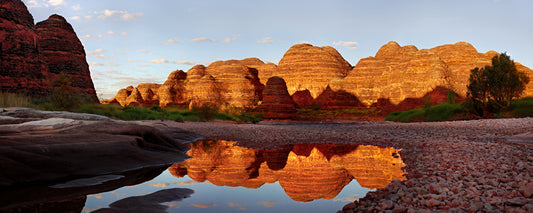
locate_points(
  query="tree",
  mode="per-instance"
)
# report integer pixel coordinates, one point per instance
(493, 87)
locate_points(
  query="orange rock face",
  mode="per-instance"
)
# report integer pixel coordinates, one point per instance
(277, 103)
(308, 67)
(172, 92)
(397, 73)
(240, 83)
(31, 55)
(305, 171)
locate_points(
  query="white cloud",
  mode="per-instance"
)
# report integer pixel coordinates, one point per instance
(96, 64)
(172, 41)
(124, 15)
(159, 61)
(203, 39)
(133, 60)
(124, 33)
(87, 37)
(148, 52)
(266, 40)
(184, 62)
(76, 7)
(56, 2)
(96, 53)
(44, 3)
(228, 40)
(349, 44)
(75, 18)
(111, 32)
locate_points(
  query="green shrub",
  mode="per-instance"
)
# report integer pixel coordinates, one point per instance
(443, 112)
(522, 107)
(406, 116)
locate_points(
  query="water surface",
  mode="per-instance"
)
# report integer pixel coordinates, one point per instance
(295, 178)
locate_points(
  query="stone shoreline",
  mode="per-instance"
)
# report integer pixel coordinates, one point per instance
(459, 166)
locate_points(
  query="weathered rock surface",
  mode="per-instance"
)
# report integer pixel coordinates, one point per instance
(172, 92)
(44, 146)
(341, 99)
(398, 73)
(32, 55)
(62, 52)
(396, 78)
(303, 98)
(21, 67)
(277, 103)
(240, 83)
(308, 67)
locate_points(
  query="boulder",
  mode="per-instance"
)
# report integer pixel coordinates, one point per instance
(303, 98)
(47, 146)
(277, 103)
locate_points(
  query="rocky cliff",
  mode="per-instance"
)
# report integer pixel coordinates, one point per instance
(32, 55)
(305, 66)
(62, 51)
(396, 78)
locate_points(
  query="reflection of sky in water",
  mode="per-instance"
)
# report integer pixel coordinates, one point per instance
(210, 198)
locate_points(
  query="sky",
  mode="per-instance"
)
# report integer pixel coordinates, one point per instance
(137, 41)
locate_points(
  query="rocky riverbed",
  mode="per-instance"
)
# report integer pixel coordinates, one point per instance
(461, 166)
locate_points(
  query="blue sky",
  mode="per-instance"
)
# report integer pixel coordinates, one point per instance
(134, 41)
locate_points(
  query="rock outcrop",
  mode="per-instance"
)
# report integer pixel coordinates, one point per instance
(277, 103)
(240, 83)
(62, 52)
(172, 92)
(22, 69)
(305, 66)
(397, 73)
(396, 78)
(32, 55)
(78, 145)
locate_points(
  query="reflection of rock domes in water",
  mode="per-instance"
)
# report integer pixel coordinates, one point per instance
(305, 171)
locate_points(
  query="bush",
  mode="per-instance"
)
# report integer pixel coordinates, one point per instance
(442, 112)
(406, 116)
(492, 88)
(522, 107)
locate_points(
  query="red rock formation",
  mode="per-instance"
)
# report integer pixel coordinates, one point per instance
(172, 92)
(21, 68)
(303, 98)
(241, 83)
(398, 73)
(31, 56)
(341, 99)
(277, 103)
(308, 67)
(62, 51)
(205, 91)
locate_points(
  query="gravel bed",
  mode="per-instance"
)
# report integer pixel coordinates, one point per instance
(459, 166)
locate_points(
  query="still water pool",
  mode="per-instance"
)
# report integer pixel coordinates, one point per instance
(223, 177)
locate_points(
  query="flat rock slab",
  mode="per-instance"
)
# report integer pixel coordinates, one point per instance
(47, 146)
